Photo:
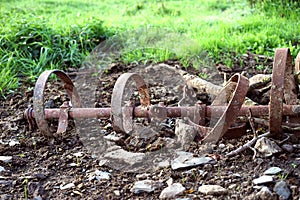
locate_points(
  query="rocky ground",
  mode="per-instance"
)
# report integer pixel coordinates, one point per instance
(69, 167)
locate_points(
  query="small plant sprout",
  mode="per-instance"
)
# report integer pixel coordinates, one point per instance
(25, 183)
(283, 176)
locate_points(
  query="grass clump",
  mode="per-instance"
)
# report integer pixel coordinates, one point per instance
(29, 45)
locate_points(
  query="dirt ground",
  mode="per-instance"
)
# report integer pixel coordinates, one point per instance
(64, 168)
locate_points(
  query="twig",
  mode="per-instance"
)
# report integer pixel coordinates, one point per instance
(251, 121)
(246, 146)
(254, 154)
(285, 139)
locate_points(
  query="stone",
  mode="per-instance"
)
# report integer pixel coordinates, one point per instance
(67, 186)
(185, 134)
(222, 146)
(78, 154)
(186, 159)
(264, 194)
(119, 154)
(145, 186)
(99, 175)
(112, 137)
(267, 147)
(164, 164)
(37, 198)
(169, 181)
(288, 148)
(2, 169)
(6, 159)
(212, 190)
(263, 179)
(172, 191)
(281, 188)
(13, 143)
(273, 171)
(142, 176)
(117, 192)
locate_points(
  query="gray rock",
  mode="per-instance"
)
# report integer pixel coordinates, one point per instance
(6, 159)
(222, 146)
(282, 190)
(164, 164)
(186, 159)
(264, 194)
(78, 154)
(13, 143)
(185, 134)
(273, 171)
(267, 147)
(102, 175)
(37, 198)
(172, 191)
(112, 137)
(212, 189)
(287, 147)
(263, 179)
(67, 186)
(2, 169)
(145, 186)
(116, 153)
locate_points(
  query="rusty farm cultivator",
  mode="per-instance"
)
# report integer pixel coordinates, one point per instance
(283, 109)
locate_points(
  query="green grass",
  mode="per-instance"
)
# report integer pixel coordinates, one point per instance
(46, 34)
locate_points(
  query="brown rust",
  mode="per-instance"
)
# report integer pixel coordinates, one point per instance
(122, 116)
(239, 85)
(38, 97)
(277, 91)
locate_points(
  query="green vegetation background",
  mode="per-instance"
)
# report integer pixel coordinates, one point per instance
(36, 35)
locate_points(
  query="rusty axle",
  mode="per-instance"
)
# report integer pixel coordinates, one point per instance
(172, 112)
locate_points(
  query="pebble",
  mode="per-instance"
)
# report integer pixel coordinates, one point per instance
(222, 146)
(236, 175)
(37, 198)
(186, 159)
(102, 175)
(264, 194)
(267, 147)
(145, 186)
(164, 164)
(212, 190)
(112, 137)
(142, 176)
(273, 171)
(263, 179)
(13, 143)
(68, 186)
(172, 191)
(232, 186)
(117, 192)
(6, 159)
(78, 154)
(287, 147)
(282, 190)
(2, 169)
(169, 181)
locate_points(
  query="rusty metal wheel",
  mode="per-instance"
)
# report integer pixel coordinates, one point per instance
(283, 90)
(122, 116)
(38, 98)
